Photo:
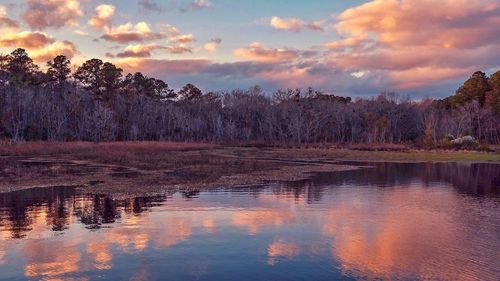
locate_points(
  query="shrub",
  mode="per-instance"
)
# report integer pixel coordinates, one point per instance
(465, 142)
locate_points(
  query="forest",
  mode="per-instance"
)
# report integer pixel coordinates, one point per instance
(98, 102)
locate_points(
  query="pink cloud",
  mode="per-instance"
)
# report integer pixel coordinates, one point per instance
(40, 15)
(132, 33)
(165, 67)
(402, 38)
(295, 24)
(6, 21)
(257, 52)
(48, 52)
(102, 16)
(26, 39)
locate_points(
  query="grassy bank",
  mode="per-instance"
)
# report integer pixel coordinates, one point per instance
(153, 153)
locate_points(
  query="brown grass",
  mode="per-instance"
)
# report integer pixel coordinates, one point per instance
(110, 150)
(377, 147)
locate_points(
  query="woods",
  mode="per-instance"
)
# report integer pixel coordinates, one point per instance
(97, 102)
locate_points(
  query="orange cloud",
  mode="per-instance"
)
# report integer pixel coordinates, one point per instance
(144, 51)
(168, 29)
(164, 67)
(346, 42)
(26, 39)
(295, 24)
(212, 45)
(179, 49)
(51, 13)
(183, 38)
(132, 33)
(421, 76)
(102, 16)
(47, 53)
(40, 46)
(257, 52)
(138, 51)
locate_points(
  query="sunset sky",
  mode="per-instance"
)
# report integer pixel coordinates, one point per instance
(349, 47)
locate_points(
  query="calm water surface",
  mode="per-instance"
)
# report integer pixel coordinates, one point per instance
(391, 221)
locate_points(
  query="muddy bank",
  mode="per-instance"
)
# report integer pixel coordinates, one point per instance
(149, 167)
(177, 170)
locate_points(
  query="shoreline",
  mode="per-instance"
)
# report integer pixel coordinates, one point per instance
(150, 167)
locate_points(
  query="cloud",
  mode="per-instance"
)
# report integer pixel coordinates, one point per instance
(5, 21)
(144, 51)
(409, 23)
(137, 51)
(212, 45)
(39, 45)
(47, 53)
(417, 43)
(179, 49)
(150, 6)
(411, 46)
(165, 67)
(211, 75)
(295, 24)
(26, 39)
(346, 43)
(102, 16)
(40, 15)
(197, 5)
(132, 33)
(257, 52)
(183, 38)
(168, 29)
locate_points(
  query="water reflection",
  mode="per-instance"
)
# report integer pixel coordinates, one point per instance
(391, 221)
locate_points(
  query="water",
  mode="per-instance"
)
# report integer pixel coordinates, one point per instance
(391, 221)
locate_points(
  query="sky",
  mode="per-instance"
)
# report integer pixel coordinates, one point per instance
(417, 48)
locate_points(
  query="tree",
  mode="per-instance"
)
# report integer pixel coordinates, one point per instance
(493, 96)
(21, 67)
(190, 92)
(474, 88)
(59, 69)
(103, 79)
(89, 75)
(110, 77)
(161, 89)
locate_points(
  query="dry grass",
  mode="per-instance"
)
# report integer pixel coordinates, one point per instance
(410, 155)
(106, 152)
(377, 147)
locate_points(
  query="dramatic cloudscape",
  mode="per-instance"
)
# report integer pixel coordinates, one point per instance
(348, 47)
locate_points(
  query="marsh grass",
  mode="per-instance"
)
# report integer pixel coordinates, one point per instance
(159, 154)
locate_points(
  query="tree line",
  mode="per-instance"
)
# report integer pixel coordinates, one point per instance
(96, 102)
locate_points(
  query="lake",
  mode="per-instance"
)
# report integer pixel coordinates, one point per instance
(383, 221)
